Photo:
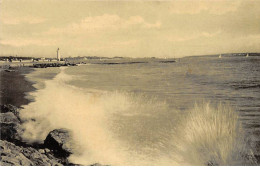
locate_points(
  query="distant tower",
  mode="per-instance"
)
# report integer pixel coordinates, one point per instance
(58, 54)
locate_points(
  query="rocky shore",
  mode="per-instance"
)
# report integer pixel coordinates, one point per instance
(15, 152)
(57, 146)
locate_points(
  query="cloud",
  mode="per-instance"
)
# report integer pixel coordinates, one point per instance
(211, 6)
(105, 22)
(182, 38)
(129, 28)
(20, 42)
(7, 20)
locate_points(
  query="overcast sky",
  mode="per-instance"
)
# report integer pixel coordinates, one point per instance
(131, 29)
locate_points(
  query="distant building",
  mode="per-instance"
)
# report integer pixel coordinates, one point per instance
(58, 54)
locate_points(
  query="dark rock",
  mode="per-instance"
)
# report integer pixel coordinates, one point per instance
(10, 131)
(211, 163)
(10, 126)
(257, 159)
(16, 152)
(47, 150)
(42, 151)
(59, 141)
(12, 155)
(9, 108)
(8, 117)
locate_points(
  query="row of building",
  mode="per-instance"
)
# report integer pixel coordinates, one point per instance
(30, 59)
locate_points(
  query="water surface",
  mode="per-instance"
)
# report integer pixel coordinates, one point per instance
(153, 113)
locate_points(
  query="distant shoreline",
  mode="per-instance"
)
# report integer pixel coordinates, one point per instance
(72, 59)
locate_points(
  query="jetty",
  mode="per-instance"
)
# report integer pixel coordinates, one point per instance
(9, 65)
(45, 65)
(13, 62)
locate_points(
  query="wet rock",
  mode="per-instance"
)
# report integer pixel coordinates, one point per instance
(10, 126)
(10, 131)
(211, 163)
(12, 155)
(41, 151)
(59, 141)
(9, 108)
(15, 152)
(8, 117)
(47, 150)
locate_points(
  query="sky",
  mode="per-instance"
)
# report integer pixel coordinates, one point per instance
(128, 28)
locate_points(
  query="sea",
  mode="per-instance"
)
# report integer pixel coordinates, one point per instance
(127, 112)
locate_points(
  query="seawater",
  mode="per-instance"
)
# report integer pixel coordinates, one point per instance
(198, 111)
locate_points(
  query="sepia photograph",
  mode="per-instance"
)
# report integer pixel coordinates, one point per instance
(130, 83)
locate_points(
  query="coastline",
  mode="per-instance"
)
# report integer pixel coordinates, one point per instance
(14, 151)
(14, 86)
(46, 150)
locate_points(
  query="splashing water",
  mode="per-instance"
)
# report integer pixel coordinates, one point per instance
(207, 135)
(213, 136)
(61, 106)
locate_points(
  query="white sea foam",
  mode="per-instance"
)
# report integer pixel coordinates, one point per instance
(207, 135)
(212, 135)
